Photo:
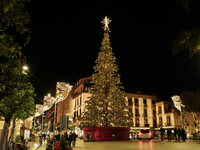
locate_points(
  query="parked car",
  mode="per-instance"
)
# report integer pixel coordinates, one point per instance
(144, 134)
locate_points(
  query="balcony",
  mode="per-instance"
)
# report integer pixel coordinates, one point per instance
(154, 125)
(137, 115)
(168, 111)
(168, 124)
(137, 125)
(159, 112)
(145, 115)
(145, 105)
(130, 103)
(136, 104)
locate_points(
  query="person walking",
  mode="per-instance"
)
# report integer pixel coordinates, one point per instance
(162, 132)
(66, 137)
(169, 134)
(183, 134)
(179, 134)
(73, 139)
(58, 137)
(70, 138)
(88, 139)
(175, 134)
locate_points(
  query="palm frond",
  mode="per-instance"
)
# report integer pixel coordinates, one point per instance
(187, 40)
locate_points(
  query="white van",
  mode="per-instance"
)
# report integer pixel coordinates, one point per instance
(144, 134)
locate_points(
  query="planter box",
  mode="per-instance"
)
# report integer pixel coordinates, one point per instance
(107, 133)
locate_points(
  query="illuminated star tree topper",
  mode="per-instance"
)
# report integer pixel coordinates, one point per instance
(105, 22)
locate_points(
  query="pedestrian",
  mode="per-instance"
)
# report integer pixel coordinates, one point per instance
(88, 136)
(179, 134)
(175, 134)
(183, 134)
(66, 137)
(162, 132)
(169, 134)
(58, 137)
(70, 138)
(73, 139)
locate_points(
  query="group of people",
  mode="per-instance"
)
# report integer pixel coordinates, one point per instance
(71, 138)
(178, 134)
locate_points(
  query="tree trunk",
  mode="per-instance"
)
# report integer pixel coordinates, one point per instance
(4, 137)
(11, 138)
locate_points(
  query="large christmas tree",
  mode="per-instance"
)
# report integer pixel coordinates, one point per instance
(106, 107)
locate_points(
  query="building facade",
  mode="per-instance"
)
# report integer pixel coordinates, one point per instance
(141, 107)
(145, 110)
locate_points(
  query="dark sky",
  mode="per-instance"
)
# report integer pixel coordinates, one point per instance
(66, 38)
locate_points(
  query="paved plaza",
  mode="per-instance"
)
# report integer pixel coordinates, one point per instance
(138, 145)
(135, 145)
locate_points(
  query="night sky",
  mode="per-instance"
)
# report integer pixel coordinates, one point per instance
(66, 38)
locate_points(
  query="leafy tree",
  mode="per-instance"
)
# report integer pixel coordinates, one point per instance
(71, 127)
(191, 100)
(16, 92)
(106, 106)
(18, 139)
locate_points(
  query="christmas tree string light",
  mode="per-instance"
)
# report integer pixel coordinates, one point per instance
(106, 106)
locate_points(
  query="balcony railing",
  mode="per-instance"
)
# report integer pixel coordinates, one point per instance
(145, 105)
(137, 125)
(168, 124)
(130, 103)
(137, 115)
(154, 125)
(136, 104)
(145, 115)
(168, 110)
(159, 112)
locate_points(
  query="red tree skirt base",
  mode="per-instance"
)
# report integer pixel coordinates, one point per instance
(107, 133)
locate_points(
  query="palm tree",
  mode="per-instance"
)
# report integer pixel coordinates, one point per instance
(185, 3)
(187, 40)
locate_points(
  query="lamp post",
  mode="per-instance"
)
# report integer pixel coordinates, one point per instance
(54, 123)
(42, 121)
